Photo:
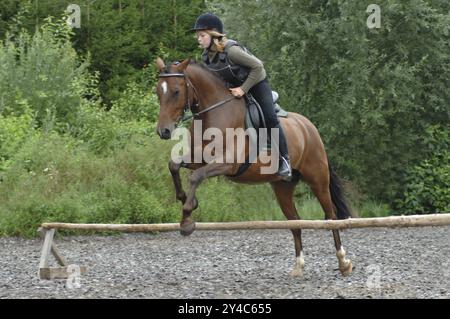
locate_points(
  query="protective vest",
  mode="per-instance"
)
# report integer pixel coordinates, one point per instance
(233, 74)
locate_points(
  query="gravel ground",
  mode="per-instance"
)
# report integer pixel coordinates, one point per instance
(388, 263)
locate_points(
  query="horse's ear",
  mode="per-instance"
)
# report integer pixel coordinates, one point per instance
(160, 64)
(183, 65)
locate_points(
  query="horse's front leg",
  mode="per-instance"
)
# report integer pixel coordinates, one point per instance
(175, 164)
(196, 178)
(174, 169)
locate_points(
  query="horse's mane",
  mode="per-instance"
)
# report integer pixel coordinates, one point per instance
(202, 67)
(207, 70)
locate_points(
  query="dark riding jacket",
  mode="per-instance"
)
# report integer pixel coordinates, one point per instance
(236, 66)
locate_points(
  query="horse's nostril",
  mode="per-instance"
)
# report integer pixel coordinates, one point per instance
(166, 134)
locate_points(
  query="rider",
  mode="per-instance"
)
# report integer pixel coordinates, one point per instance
(243, 72)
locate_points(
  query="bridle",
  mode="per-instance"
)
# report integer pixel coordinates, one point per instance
(187, 83)
(187, 105)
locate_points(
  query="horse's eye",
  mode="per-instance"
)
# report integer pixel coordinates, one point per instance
(176, 92)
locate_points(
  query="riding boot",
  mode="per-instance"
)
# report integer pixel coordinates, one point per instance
(284, 166)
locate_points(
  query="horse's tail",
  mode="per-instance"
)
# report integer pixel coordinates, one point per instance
(337, 195)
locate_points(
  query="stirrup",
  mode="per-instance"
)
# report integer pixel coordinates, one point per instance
(288, 174)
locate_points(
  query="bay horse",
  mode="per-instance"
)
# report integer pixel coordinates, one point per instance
(191, 85)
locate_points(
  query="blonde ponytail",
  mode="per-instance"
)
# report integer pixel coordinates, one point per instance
(219, 39)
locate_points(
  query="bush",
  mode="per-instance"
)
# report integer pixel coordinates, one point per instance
(104, 132)
(428, 184)
(137, 103)
(56, 177)
(45, 71)
(14, 130)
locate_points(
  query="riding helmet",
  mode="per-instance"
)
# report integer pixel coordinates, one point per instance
(208, 21)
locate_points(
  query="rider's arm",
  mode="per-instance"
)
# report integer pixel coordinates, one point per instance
(257, 71)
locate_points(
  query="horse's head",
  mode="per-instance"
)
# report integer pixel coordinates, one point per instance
(173, 93)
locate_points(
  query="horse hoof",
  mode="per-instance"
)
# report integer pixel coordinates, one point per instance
(187, 229)
(346, 269)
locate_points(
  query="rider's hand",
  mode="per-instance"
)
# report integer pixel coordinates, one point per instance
(237, 92)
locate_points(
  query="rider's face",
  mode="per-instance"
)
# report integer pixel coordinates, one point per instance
(204, 39)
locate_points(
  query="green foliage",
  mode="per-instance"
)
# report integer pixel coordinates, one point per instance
(43, 72)
(14, 131)
(135, 112)
(9, 11)
(54, 177)
(428, 183)
(122, 36)
(136, 103)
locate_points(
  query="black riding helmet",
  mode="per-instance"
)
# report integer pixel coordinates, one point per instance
(208, 21)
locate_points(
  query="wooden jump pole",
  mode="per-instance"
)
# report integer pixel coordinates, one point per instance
(391, 222)
(47, 231)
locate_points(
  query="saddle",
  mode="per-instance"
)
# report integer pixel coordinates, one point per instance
(254, 117)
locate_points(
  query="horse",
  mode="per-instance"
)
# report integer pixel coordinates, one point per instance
(190, 85)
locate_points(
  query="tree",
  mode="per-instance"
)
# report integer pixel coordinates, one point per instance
(122, 36)
(8, 10)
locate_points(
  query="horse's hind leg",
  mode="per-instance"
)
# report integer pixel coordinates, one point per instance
(284, 191)
(319, 181)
